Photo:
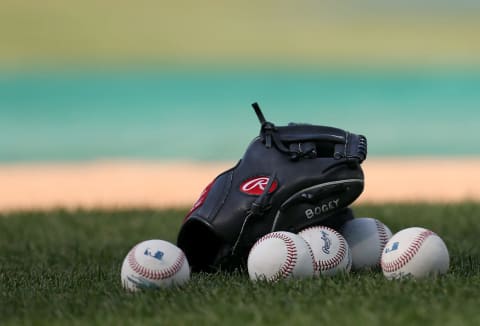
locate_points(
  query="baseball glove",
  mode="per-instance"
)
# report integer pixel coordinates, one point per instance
(290, 177)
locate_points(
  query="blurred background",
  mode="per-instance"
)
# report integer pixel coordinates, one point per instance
(174, 80)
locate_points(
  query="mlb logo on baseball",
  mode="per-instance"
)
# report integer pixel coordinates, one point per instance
(157, 255)
(393, 247)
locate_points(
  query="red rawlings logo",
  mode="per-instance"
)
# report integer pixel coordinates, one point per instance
(256, 185)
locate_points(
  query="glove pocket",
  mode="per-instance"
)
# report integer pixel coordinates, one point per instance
(198, 237)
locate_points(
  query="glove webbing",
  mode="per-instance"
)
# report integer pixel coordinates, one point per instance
(269, 130)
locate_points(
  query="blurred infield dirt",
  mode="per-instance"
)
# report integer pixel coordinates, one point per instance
(132, 184)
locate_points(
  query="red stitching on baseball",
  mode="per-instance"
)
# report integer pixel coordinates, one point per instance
(314, 263)
(408, 254)
(382, 237)
(323, 265)
(155, 274)
(291, 260)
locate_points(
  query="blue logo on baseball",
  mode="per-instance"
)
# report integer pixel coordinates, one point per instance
(393, 248)
(326, 242)
(157, 255)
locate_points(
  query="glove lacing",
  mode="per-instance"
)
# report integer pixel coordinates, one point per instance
(258, 207)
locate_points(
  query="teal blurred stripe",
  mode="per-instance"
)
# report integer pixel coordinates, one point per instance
(202, 115)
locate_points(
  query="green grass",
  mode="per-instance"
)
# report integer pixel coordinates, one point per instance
(64, 268)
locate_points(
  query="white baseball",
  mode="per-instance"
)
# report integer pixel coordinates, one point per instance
(330, 250)
(366, 238)
(280, 255)
(154, 264)
(416, 252)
